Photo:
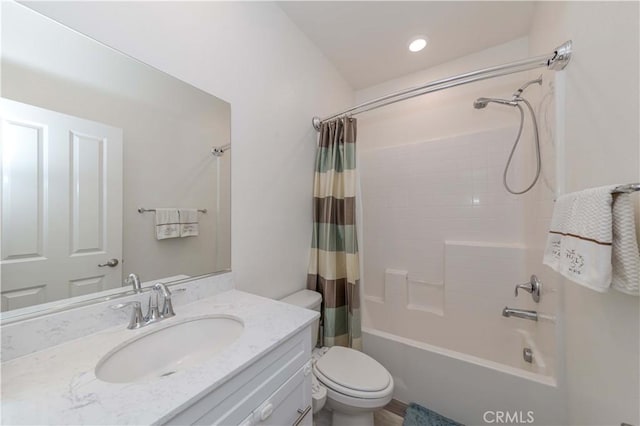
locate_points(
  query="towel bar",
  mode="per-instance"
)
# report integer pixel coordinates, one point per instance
(627, 189)
(143, 210)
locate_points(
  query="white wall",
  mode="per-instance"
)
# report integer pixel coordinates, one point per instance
(446, 113)
(602, 147)
(253, 56)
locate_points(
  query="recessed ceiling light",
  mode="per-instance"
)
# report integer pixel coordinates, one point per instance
(417, 44)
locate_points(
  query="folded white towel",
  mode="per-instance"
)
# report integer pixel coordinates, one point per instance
(581, 239)
(189, 226)
(625, 253)
(167, 223)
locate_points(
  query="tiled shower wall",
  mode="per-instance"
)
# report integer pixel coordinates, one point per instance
(444, 243)
(418, 195)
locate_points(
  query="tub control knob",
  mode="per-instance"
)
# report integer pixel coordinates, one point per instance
(533, 287)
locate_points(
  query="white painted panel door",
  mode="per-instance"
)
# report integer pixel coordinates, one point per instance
(61, 209)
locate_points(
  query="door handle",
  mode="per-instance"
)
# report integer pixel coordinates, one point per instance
(112, 263)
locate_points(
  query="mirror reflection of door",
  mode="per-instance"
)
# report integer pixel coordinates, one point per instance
(61, 208)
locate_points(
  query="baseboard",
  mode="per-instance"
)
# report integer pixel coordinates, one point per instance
(396, 407)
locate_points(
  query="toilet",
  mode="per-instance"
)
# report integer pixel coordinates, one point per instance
(352, 384)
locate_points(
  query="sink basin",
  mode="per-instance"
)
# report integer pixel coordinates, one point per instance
(167, 350)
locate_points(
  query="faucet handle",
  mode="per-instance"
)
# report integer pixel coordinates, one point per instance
(167, 305)
(526, 287)
(153, 314)
(533, 287)
(137, 319)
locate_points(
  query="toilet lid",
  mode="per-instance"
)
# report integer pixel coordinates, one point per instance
(353, 369)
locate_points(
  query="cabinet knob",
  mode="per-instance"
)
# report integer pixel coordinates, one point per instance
(307, 369)
(266, 411)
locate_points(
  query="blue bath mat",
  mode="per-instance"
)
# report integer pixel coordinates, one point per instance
(417, 415)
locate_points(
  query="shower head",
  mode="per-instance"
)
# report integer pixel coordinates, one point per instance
(480, 103)
(483, 102)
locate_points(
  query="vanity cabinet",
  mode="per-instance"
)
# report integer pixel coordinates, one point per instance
(274, 389)
(262, 378)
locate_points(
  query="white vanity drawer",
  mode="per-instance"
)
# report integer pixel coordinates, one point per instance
(289, 405)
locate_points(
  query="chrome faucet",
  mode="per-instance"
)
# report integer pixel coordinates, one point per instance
(134, 280)
(167, 306)
(136, 320)
(520, 313)
(154, 314)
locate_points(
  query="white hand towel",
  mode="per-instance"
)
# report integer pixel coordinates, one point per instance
(625, 253)
(189, 226)
(167, 223)
(581, 240)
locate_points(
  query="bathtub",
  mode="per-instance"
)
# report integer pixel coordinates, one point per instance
(449, 348)
(467, 388)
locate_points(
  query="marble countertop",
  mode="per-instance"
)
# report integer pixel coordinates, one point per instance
(58, 385)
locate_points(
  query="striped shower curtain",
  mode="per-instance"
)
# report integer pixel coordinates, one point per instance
(334, 269)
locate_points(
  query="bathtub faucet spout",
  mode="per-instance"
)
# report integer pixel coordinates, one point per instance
(520, 313)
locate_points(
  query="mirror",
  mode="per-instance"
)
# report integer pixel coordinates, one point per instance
(89, 137)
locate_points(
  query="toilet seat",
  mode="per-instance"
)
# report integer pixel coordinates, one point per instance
(353, 374)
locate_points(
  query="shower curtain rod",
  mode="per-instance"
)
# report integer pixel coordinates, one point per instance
(553, 61)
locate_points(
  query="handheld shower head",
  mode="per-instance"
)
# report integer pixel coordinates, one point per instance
(483, 102)
(480, 103)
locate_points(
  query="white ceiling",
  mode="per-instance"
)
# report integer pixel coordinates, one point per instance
(367, 40)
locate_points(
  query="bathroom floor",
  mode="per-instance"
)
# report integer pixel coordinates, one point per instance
(386, 418)
(380, 418)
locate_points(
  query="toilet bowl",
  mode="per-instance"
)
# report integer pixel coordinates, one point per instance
(353, 384)
(318, 395)
(357, 385)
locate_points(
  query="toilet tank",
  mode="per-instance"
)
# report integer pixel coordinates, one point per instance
(307, 299)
